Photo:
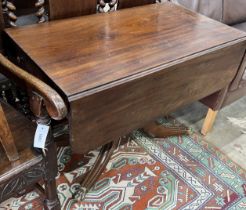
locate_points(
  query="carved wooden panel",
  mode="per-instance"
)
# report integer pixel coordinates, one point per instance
(22, 181)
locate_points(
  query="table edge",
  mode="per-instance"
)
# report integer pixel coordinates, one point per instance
(155, 69)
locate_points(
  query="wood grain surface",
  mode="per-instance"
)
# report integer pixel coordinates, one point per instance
(104, 116)
(84, 53)
(121, 70)
(6, 138)
(22, 132)
(59, 9)
(55, 105)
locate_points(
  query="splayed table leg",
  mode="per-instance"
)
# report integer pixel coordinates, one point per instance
(156, 130)
(101, 162)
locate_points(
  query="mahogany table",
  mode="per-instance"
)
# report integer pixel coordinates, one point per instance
(121, 70)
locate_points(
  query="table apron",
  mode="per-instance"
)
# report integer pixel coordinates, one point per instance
(105, 116)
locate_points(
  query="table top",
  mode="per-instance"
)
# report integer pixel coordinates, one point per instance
(86, 54)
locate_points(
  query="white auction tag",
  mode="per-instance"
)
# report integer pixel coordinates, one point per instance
(41, 136)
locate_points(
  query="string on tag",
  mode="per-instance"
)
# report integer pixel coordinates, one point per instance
(40, 137)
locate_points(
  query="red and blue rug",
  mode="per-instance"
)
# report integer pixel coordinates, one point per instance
(181, 172)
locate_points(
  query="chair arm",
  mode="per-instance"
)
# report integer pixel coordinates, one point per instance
(54, 104)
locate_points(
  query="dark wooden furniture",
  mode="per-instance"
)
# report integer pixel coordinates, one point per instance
(14, 13)
(18, 13)
(59, 9)
(232, 13)
(6, 138)
(129, 3)
(118, 72)
(21, 168)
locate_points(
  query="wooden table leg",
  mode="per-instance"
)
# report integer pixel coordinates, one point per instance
(89, 179)
(92, 176)
(209, 122)
(156, 130)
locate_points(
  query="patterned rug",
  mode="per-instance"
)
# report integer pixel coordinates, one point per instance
(145, 173)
